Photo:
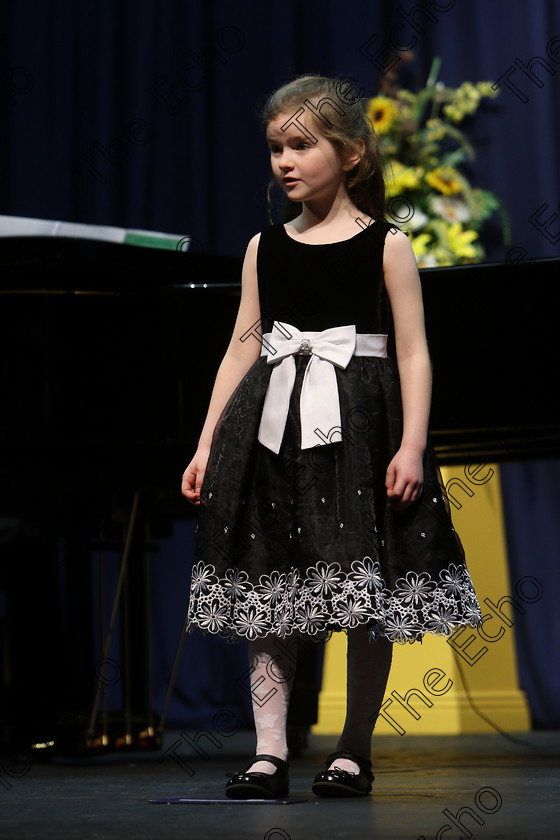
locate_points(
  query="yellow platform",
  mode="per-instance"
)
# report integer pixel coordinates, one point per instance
(426, 694)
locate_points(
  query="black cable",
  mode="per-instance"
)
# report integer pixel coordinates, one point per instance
(488, 720)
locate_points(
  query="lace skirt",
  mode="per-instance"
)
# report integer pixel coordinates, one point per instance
(303, 542)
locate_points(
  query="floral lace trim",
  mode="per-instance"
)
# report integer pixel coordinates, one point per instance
(328, 598)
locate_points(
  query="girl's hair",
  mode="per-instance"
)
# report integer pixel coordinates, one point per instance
(364, 183)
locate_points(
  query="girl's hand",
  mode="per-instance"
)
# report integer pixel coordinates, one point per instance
(194, 476)
(404, 478)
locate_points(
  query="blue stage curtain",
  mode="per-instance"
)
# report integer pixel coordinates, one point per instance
(530, 497)
(213, 674)
(143, 114)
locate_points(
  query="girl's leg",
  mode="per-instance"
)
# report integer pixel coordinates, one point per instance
(368, 665)
(273, 664)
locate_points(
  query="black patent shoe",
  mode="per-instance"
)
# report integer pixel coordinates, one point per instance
(337, 782)
(257, 785)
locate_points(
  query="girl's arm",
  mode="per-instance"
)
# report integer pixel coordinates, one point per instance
(238, 359)
(405, 473)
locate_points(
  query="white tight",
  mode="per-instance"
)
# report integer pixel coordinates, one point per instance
(273, 663)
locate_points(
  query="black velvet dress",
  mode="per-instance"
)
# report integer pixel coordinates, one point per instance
(303, 541)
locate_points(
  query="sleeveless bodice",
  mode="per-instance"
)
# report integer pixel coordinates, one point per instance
(315, 287)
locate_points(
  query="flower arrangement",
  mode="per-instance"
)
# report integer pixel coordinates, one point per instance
(442, 213)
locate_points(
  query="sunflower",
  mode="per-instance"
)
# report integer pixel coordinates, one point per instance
(445, 179)
(382, 112)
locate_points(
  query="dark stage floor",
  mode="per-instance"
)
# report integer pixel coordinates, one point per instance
(492, 786)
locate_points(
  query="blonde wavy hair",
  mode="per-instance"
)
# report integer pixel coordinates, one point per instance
(348, 125)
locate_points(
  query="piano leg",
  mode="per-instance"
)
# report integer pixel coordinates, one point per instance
(33, 667)
(132, 603)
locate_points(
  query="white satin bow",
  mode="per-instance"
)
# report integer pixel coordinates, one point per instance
(319, 400)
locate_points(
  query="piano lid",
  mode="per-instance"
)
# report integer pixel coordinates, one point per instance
(491, 330)
(11, 226)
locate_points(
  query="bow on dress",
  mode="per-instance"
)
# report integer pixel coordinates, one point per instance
(319, 399)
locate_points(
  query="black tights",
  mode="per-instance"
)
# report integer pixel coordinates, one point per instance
(368, 664)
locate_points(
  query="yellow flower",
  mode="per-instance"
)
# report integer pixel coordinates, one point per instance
(469, 93)
(445, 179)
(382, 112)
(454, 113)
(459, 240)
(487, 89)
(399, 178)
(420, 244)
(444, 257)
(434, 130)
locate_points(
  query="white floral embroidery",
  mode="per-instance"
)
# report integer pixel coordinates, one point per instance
(282, 621)
(472, 613)
(452, 579)
(236, 584)
(325, 578)
(293, 584)
(213, 617)
(440, 621)
(415, 588)
(310, 618)
(203, 577)
(366, 575)
(327, 598)
(401, 628)
(250, 621)
(271, 587)
(351, 612)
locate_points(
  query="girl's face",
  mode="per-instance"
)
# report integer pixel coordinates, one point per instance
(306, 165)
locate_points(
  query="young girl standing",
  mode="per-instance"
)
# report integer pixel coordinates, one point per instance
(321, 508)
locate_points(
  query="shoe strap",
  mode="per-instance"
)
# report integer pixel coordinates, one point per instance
(278, 762)
(363, 763)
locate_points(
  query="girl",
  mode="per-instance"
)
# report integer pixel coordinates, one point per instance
(321, 508)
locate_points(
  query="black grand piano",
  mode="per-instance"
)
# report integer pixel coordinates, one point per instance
(109, 353)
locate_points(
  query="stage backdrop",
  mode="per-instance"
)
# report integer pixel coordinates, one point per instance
(144, 114)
